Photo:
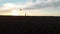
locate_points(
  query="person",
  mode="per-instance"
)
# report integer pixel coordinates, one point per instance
(25, 14)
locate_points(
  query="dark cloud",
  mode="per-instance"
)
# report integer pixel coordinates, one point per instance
(44, 4)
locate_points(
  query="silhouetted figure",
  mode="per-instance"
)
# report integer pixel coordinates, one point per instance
(25, 14)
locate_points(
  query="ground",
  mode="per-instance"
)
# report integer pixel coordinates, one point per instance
(29, 24)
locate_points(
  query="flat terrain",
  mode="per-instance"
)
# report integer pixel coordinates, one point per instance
(29, 24)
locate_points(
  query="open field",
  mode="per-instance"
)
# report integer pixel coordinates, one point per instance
(29, 24)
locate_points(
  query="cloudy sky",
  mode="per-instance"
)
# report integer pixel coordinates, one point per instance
(30, 7)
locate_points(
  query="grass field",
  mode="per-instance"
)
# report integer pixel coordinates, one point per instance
(29, 24)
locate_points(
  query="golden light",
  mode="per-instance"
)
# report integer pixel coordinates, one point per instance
(17, 12)
(14, 12)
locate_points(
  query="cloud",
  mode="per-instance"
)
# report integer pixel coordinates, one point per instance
(48, 7)
(39, 4)
(0, 0)
(9, 6)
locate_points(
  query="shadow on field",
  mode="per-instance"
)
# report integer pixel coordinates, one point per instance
(29, 25)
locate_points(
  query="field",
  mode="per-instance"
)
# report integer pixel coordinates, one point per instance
(29, 24)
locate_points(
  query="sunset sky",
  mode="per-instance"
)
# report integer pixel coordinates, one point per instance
(30, 7)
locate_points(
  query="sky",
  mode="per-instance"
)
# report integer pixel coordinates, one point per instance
(30, 7)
